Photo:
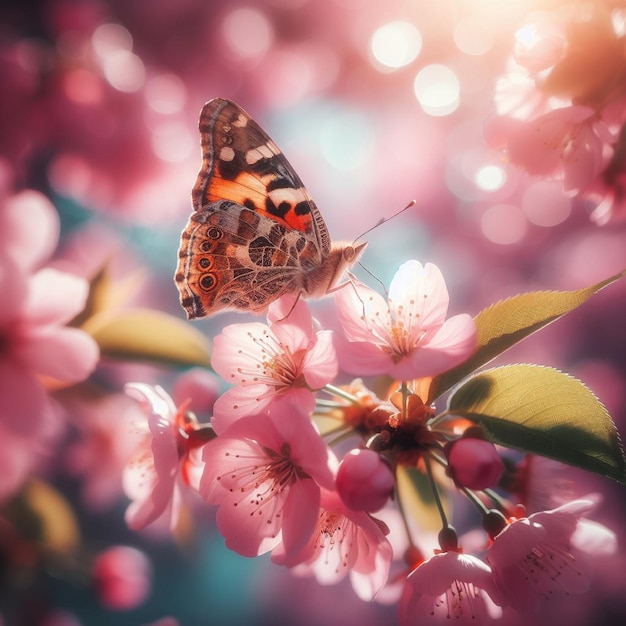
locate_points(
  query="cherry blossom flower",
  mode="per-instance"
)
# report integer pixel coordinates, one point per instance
(37, 350)
(534, 559)
(265, 472)
(607, 193)
(285, 358)
(450, 587)
(344, 542)
(407, 336)
(567, 142)
(103, 446)
(167, 457)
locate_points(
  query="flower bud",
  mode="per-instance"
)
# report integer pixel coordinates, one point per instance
(122, 578)
(474, 463)
(364, 481)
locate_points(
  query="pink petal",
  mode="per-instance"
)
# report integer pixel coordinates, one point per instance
(283, 312)
(299, 516)
(199, 387)
(308, 449)
(14, 289)
(152, 399)
(29, 228)
(293, 338)
(418, 295)
(352, 302)
(239, 402)
(55, 297)
(65, 354)
(362, 358)
(238, 348)
(452, 344)
(320, 365)
(24, 401)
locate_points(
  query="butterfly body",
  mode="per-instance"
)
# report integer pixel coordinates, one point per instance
(255, 233)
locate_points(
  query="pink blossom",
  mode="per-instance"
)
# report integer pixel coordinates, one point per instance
(450, 588)
(474, 463)
(567, 142)
(265, 473)
(287, 357)
(37, 349)
(167, 458)
(103, 446)
(408, 336)
(343, 542)
(534, 559)
(122, 578)
(607, 193)
(364, 480)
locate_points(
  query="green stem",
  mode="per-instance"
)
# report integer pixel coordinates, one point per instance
(476, 501)
(340, 393)
(433, 484)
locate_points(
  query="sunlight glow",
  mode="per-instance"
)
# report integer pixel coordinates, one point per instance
(490, 177)
(395, 44)
(437, 90)
(473, 35)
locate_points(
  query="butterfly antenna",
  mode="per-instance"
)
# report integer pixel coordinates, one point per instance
(380, 282)
(382, 220)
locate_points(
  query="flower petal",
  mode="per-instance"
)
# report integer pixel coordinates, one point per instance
(452, 344)
(65, 354)
(418, 295)
(29, 228)
(54, 297)
(320, 364)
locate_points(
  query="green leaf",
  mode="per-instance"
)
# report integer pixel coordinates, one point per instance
(543, 411)
(507, 322)
(146, 335)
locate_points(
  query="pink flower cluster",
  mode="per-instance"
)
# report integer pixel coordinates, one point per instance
(562, 106)
(285, 484)
(39, 350)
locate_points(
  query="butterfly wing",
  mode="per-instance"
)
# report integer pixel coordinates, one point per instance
(255, 233)
(232, 257)
(241, 163)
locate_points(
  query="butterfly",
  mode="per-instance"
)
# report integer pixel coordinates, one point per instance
(255, 233)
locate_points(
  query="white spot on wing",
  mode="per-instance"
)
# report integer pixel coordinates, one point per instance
(289, 195)
(227, 154)
(256, 154)
(241, 121)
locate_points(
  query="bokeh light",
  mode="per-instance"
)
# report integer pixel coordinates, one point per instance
(395, 44)
(437, 90)
(166, 93)
(544, 204)
(490, 177)
(504, 224)
(248, 32)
